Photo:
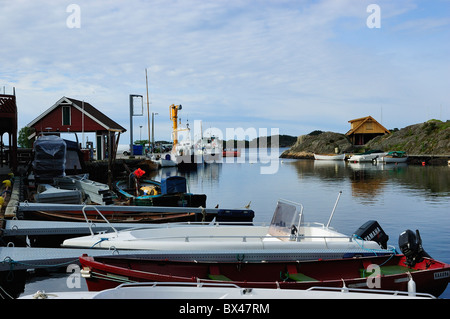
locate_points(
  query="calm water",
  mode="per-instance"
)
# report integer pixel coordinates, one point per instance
(399, 197)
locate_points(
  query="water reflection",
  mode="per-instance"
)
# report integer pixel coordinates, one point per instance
(370, 180)
(206, 175)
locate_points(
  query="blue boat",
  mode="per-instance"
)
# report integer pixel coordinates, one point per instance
(170, 192)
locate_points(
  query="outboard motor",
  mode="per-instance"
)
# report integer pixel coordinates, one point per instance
(372, 231)
(410, 245)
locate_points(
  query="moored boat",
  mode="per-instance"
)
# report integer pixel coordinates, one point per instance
(287, 232)
(177, 290)
(171, 191)
(329, 157)
(164, 160)
(395, 157)
(129, 214)
(367, 156)
(377, 272)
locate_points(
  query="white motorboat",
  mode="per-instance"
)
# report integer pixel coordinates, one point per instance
(367, 156)
(164, 160)
(157, 290)
(395, 157)
(329, 157)
(287, 232)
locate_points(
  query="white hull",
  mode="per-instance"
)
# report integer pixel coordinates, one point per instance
(387, 159)
(339, 157)
(217, 291)
(287, 233)
(217, 237)
(365, 157)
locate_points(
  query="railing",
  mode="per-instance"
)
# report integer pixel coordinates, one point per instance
(90, 222)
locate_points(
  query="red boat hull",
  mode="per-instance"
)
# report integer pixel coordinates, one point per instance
(430, 276)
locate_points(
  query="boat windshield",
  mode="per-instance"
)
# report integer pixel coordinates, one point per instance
(286, 220)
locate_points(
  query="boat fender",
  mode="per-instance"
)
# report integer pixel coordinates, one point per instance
(410, 245)
(411, 286)
(372, 231)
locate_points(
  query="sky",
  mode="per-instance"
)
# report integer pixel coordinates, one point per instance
(296, 66)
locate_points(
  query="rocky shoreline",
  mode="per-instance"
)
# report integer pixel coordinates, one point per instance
(427, 142)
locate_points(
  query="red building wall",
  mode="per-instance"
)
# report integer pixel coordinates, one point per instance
(55, 121)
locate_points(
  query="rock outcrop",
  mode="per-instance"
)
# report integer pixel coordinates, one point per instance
(428, 138)
(318, 142)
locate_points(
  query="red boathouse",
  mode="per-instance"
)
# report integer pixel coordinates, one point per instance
(71, 115)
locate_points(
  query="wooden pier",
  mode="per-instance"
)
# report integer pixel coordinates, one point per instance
(429, 159)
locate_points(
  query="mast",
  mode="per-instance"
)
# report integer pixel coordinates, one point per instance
(148, 110)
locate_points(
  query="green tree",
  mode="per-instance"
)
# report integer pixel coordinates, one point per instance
(23, 140)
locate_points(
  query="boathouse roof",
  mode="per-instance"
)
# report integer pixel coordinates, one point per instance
(94, 119)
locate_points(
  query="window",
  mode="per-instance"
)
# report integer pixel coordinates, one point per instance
(66, 115)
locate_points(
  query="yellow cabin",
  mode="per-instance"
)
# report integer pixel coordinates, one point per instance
(364, 129)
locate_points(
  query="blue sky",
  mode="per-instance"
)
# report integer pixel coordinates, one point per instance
(297, 66)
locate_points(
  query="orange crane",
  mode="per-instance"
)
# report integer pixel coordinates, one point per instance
(174, 117)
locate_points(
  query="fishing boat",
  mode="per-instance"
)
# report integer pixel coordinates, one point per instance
(395, 157)
(376, 272)
(184, 152)
(189, 290)
(287, 232)
(368, 156)
(171, 191)
(329, 157)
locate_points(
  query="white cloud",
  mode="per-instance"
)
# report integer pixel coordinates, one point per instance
(296, 65)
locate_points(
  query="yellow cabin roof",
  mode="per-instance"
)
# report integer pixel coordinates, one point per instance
(366, 125)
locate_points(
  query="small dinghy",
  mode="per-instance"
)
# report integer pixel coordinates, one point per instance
(329, 157)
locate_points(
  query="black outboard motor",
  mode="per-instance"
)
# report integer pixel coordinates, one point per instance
(410, 245)
(372, 231)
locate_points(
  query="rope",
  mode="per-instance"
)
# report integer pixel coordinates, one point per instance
(5, 293)
(43, 295)
(13, 262)
(362, 247)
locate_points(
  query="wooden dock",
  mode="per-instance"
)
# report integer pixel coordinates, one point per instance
(429, 159)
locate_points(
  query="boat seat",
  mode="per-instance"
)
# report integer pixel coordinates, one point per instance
(387, 270)
(293, 274)
(301, 277)
(214, 274)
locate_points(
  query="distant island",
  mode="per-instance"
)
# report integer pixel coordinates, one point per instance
(428, 138)
(263, 142)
